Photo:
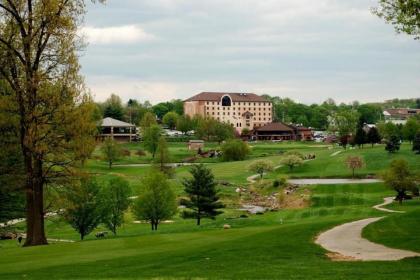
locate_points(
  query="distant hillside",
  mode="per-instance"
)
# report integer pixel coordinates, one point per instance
(413, 103)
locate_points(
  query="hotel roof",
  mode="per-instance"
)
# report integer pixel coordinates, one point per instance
(235, 96)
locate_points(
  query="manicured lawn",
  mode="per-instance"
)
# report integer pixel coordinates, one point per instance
(327, 166)
(275, 245)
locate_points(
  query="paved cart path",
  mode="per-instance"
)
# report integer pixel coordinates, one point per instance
(346, 241)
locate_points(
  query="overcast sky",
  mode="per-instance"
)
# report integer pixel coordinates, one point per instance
(307, 50)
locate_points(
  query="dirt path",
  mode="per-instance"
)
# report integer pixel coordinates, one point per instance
(346, 242)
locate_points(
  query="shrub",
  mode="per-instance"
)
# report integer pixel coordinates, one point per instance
(260, 167)
(140, 153)
(353, 163)
(291, 161)
(294, 153)
(235, 150)
(280, 182)
(125, 152)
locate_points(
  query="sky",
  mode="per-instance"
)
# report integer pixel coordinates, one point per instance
(307, 50)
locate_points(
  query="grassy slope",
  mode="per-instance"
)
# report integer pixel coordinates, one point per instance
(325, 165)
(275, 245)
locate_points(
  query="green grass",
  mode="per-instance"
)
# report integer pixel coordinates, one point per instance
(275, 245)
(327, 166)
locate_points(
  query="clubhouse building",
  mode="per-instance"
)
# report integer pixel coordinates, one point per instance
(241, 110)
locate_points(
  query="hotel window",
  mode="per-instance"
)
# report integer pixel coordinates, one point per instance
(212, 113)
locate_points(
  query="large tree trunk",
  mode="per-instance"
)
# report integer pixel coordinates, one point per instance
(35, 233)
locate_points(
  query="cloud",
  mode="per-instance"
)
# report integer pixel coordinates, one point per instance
(126, 34)
(301, 90)
(308, 50)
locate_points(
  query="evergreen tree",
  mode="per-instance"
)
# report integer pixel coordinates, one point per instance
(113, 108)
(360, 137)
(203, 200)
(393, 144)
(373, 136)
(416, 143)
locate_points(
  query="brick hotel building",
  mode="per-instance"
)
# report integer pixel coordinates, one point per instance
(241, 110)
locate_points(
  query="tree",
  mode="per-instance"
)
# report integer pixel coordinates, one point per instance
(147, 121)
(260, 167)
(84, 210)
(162, 154)
(393, 144)
(399, 178)
(245, 132)
(353, 163)
(416, 143)
(161, 109)
(135, 111)
(205, 128)
(184, 124)
(203, 200)
(113, 108)
(170, 119)
(38, 58)
(110, 151)
(345, 122)
(12, 198)
(235, 150)
(373, 136)
(410, 129)
(360, 138)
(223, 131)
(292, 161)
(369, 114)
(388, 129)
(116, 199)
(157, 200)
(404, 15)
(151, 138)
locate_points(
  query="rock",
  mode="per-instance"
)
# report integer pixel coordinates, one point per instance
(226, 226)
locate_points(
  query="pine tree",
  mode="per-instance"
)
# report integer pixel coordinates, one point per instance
(416, 143)
(360, 137)
(393, 144)
(373, 136)
(203, 200)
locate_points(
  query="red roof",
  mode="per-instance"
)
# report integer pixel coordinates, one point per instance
(275, 126)
(235, 96)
